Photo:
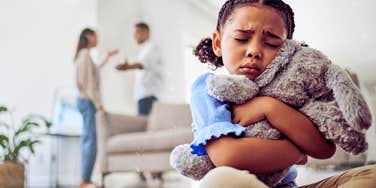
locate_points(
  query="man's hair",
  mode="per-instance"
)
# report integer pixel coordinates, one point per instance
(142, 25)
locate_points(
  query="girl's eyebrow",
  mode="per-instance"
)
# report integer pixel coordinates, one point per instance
(247, 31)
(267, 33)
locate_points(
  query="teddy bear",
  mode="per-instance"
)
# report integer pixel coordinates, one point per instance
(303, 78)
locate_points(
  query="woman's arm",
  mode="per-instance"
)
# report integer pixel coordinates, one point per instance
(258, 156)
(294, 125)
(107, 57)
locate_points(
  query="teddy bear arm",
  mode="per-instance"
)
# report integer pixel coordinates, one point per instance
(231, 88)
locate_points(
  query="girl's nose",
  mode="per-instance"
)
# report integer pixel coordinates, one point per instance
(254, 50)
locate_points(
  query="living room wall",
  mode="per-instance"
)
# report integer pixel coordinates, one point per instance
(37, 43)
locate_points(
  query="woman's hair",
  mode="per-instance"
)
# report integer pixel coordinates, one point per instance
(204, 50)
(83, 42)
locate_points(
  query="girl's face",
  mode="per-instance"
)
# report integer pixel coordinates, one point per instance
(250, 39)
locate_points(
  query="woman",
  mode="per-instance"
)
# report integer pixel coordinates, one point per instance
(89, 100)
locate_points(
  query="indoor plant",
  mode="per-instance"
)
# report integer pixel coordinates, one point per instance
(13, 140)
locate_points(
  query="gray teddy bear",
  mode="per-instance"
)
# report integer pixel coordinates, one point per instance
(304, 79)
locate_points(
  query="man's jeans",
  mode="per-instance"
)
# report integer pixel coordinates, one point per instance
(145, 105)
(89, 138)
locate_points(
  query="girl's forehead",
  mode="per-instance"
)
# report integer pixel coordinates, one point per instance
(256, 15)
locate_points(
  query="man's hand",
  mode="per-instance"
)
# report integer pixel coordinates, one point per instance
(123, 66)
(251, 112)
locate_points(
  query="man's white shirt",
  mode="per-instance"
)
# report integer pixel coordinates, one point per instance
(148, 80)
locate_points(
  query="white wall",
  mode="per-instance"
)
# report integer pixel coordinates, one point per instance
(37, 42)
(176, 25)
(115, 23)
(344, 30)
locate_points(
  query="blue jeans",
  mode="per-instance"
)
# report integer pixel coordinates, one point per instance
(145, 105)
(88, 139)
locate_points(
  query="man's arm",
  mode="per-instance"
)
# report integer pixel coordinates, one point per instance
(127, 66)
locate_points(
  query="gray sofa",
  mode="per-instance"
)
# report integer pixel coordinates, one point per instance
(136, 143)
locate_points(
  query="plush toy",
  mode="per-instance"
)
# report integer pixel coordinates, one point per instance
(306, 80)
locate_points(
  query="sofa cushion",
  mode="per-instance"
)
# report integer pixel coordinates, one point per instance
(169, 116)
(163, 140)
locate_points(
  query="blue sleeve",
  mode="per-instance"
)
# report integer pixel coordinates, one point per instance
(289, 180)
(211, 117)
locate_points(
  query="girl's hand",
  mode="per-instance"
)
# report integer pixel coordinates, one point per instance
(252, 111)
(303, 160)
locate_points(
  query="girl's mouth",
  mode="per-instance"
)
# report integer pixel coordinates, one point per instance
(249, 70)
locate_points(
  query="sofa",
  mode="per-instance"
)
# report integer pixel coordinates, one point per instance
(136, 143)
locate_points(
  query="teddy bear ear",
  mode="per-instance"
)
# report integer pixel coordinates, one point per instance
(349, 98)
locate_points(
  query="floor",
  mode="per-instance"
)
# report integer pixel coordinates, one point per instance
(173, 180)
(42, 172)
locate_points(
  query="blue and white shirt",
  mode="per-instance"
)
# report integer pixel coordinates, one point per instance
(212, 119)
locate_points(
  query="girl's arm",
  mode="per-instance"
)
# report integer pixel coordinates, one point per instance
(256, 155)
(212, 122)
(294, 125)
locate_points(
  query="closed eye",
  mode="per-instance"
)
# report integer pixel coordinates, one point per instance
(272, 45)
(241, 39)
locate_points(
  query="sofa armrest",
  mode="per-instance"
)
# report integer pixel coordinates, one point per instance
(108, 125)
(114, 124)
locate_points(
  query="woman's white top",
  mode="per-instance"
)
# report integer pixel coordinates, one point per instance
(87, 77)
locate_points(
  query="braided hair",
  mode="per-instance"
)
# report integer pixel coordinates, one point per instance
(204, 50)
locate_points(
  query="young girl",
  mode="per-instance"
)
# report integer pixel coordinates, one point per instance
(249, 35)
(89, 100)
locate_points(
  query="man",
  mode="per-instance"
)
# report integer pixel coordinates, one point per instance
(148, 77)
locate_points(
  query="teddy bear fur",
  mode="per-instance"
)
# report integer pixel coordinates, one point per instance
(306, 80)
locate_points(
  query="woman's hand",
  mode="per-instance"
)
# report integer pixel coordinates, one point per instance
(108, 55)
(111, 53)
(100, 108)
(252, 111)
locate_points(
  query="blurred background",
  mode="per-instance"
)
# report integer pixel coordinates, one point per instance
(38, 40)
